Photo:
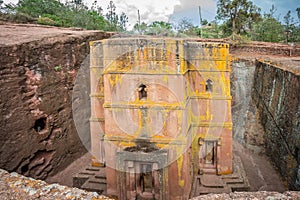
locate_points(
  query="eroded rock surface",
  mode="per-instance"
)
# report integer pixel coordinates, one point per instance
(251, 196)
(276, 96)
(38, 67)
(15, 186)
(265, 91)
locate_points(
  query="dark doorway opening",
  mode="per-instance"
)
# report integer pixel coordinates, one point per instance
(40, 124)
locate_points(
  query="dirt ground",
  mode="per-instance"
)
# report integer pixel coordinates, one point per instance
(12, 34)
(260, 173)
(259, 170)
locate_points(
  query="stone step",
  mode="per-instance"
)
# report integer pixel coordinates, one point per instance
(231, 176)
(233, 181)
(239, 187)
(87, 173)
(94, 186)
(95, 169)
(208, 171)
(97, 180)
(91, 179)
(205, 190)
(211, 180)
(91, 168)
(79, 180)
(100, 177)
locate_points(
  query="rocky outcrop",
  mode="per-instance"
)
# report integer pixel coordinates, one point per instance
(276, 94)
(38, 67)
(262, 195)
(15, 186)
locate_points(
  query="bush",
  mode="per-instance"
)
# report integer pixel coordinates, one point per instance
(237, 39)
(55, 13)
(47, 21)
(18, 18)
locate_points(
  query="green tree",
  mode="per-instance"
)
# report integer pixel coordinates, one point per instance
(141, 28)
(1, 2)
(291, 31)
(298, 13)
(97, 21)
(289, 20)
(73, 13)
(184, 26)
(36, 8)
(211, 30)
(271, 13)
(269, 29)
(112, 17)
(297, 32)
(78, 5)
(204, 22)
(123, 21)
(115, 22)
(238, 14)
(95, 7)
(159, 28)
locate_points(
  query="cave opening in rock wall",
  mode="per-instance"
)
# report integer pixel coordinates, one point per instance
(40, 124)
(24, 169)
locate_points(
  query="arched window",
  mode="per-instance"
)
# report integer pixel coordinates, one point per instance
(209, 85)
(142, 92)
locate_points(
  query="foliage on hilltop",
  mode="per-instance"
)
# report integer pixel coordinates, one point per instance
(235, 19)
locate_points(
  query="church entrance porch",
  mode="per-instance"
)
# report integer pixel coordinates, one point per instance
(208, 156)
(143, 175)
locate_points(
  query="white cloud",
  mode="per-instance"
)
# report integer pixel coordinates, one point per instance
(189, 4)
(11, 1)
(150, 10)
(190, 9)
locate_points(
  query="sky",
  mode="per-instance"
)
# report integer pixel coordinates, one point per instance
(175, 10)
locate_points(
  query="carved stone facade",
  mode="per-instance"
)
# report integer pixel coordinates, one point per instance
(161, 114)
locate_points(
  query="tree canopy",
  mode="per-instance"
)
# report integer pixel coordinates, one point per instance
(72, 13)
(238, 14)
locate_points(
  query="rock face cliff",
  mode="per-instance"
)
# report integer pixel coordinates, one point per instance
(15, 186)
(247, 128)
(38, 67)
(266, 106)
(276, 94)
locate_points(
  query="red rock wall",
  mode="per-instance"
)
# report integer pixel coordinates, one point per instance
(37, 133)
(276, 95)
